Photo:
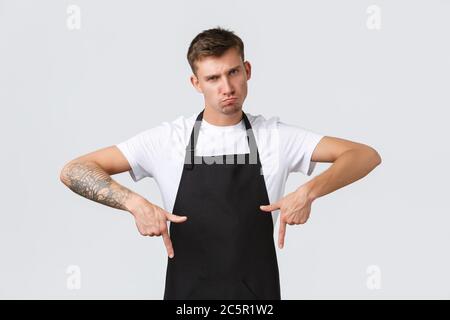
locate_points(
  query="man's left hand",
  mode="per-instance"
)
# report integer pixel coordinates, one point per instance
(295, 208)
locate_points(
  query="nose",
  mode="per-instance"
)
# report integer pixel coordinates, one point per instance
(227, 87)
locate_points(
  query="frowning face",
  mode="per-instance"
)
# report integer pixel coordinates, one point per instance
(223, 81)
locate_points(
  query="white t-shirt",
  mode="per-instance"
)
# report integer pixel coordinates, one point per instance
(159, 152)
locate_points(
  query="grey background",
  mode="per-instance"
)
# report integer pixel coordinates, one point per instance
(316, 64)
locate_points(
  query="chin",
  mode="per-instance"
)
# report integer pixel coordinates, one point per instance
(231, 108)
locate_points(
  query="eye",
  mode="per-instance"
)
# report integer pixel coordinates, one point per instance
(233, 71)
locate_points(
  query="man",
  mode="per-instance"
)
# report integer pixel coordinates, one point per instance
(222, 173)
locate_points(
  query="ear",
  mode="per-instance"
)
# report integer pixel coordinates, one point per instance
(196, 83)
(248, 69)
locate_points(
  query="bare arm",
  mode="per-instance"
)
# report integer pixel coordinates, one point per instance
(351, 162)
(90, 180)
(89, 176)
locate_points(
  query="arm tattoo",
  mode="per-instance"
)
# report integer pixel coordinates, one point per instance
(92, 182)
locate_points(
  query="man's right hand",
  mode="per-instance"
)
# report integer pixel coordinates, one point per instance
(151, 220)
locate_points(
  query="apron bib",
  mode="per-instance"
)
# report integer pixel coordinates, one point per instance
(225, 249)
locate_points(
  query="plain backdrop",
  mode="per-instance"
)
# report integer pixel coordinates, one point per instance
(321, 65)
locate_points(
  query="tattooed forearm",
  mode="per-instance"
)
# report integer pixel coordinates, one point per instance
(92, 182)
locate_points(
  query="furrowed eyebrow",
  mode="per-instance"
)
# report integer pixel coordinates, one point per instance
(217, 75)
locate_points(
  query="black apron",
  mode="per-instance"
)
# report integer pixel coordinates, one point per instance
(225, 249)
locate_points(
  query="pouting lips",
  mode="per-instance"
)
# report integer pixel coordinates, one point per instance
(229, 100)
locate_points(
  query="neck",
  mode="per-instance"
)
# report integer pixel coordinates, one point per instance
(220, 119)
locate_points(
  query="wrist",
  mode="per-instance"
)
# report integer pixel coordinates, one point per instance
(132, 202)
(308, 191)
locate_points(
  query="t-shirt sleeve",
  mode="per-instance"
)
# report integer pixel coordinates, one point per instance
(297, 147)
(142, 152)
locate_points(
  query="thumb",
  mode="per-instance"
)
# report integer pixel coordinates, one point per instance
(174, 218)
(270, 207)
